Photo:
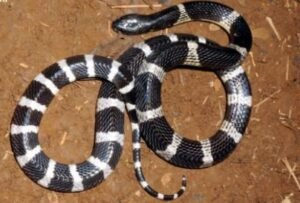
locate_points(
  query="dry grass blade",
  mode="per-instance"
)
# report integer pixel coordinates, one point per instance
(288, 166)
(44, 24)
(24, 65)
(181, 79)
(64, 137)
(109, 28)
(205, 100)
(287, 121)
(270, 21)
(6, 154)
(287, 69)
(266, 99)
(252, 59)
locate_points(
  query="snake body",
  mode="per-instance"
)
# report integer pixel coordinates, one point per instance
(108, 139)
(147, 62)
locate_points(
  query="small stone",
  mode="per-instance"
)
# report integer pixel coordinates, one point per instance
(78, 107)
(138, 193)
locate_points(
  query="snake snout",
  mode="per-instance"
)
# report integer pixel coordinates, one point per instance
(114, 27)
(130, 24)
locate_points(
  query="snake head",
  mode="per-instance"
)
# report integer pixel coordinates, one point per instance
(130, 24)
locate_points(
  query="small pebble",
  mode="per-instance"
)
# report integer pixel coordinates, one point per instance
(138, 193)
(78, 108)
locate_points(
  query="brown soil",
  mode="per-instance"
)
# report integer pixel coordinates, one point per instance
(36, 33)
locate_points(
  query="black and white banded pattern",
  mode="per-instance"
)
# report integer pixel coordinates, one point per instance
(224, 61)
(131, 60)
(109, 136)
(181, 151)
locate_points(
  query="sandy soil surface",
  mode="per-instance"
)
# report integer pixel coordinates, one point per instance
(263, 168)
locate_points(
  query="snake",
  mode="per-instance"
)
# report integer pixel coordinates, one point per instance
(126, 81)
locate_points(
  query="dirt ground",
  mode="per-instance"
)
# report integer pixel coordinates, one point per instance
(263, 168)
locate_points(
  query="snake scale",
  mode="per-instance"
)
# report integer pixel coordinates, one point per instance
(134, 81)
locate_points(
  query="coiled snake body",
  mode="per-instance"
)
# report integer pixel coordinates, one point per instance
(136, 78)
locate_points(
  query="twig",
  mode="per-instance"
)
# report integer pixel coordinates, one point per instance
(287, 121)
(109, 28)
(24, 65)
(6, 155)
(205, 100)
(270, 21)
(283, 43)
(287, 69)
(266, 99)
(290, 113)
(63, 138)
(255, 119)
(248, 70)
(44, 24)
(137, 6)
(293, 169)
(288, 166)
(181, 79)
(252, 58)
